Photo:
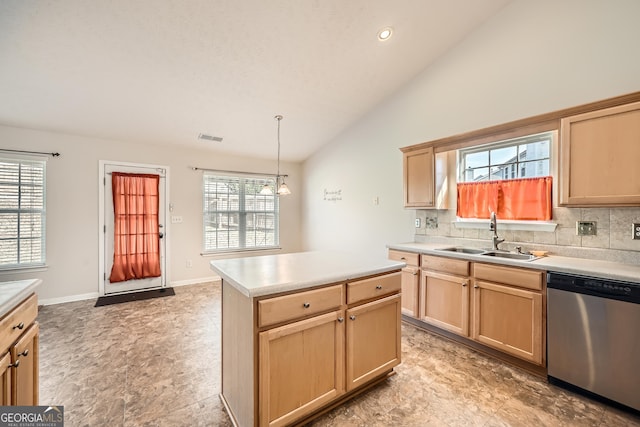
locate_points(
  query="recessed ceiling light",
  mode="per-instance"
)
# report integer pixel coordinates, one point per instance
(385, 33)
(209, 137)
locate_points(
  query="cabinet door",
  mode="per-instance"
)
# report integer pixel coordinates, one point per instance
(25, 374)
(373, 340)
(418, 178)
(411, 291)
(301, 368)
(508, 319)
(446, 301)
(598, 157)
(5, 379)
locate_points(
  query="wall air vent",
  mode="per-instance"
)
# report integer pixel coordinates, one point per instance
(209, 137)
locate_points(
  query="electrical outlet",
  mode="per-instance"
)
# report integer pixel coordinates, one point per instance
(176, 219)
(636, 231)
(417, 222)
(586, 228)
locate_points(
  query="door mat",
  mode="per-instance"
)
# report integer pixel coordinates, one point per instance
(134, 296)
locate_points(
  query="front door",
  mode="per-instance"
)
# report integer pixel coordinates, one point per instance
(132, 285)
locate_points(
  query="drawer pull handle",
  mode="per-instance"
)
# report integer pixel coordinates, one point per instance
(19, 326)
(306, 305)
(340, 319)
(378, 287)
(14, 365)
(352, 317)
(464, 284)
(476, 286)
(24, 353)
(402, 258)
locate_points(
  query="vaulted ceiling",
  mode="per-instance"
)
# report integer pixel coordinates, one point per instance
(164, 71)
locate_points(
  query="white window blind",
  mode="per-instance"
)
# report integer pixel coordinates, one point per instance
(22, 212)
(236, 216)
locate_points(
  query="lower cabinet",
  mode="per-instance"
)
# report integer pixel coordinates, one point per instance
(509, 318)
(301, 368)
(410, 281)
(373, 340)
(445, 293)
(19, 335)
(446, 301)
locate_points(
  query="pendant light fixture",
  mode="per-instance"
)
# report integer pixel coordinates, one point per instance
(282, 188)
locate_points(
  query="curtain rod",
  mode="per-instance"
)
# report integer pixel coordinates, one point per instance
(238, 172)
(30, 152)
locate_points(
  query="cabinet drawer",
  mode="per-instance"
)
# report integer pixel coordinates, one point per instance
(530, 279)
(301, 304)
(373, 287)
(408, 257)
(14, 323)
(447, 265)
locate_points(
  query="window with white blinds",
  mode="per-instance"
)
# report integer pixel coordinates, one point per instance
(236, 216)
(22, 212)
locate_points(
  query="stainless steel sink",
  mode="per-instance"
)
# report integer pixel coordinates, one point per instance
(463, 250)
(509, 255)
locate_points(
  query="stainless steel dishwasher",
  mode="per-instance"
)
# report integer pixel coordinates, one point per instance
(593, 336)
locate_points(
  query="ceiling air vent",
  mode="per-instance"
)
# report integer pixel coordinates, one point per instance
(209, 137)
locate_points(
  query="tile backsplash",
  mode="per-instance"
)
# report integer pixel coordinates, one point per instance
(613, 241)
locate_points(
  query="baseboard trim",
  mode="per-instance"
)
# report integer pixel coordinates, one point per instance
(95, 295)
(70, 298)
(195, 281)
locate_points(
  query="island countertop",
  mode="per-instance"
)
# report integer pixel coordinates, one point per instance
(271, 274)
(12, 293)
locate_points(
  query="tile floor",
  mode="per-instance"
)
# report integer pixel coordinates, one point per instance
(157, 363)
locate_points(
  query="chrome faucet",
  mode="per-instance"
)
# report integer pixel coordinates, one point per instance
(493, 226)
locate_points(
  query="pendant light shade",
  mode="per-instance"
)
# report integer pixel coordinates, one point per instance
(283, 190)
(266, 190)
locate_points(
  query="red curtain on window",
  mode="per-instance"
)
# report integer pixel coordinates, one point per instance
(520, 199)
(136, 243)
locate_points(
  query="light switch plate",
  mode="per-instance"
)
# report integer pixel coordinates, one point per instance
(636, 231)
(586, 228)
(417, 222)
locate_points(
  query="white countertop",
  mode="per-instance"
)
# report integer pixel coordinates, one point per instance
(562, 264)
(12, 293)
(271, 274)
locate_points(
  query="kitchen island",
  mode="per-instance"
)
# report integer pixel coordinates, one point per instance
(303, 332)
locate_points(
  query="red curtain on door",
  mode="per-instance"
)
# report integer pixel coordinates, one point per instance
(520, 199)
(136, 242)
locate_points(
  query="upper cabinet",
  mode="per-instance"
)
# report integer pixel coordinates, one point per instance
(599, 151)
(418, 178)
(424, 176)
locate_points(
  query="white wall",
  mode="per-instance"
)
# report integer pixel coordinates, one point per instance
(72, 206)
(531, 58)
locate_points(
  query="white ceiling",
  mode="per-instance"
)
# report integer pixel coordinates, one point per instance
(163, 71)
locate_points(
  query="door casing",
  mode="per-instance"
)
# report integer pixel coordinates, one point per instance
(105, 166)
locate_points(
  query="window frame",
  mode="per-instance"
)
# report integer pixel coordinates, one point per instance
(20, 160)
(512, 168)
(243, 214)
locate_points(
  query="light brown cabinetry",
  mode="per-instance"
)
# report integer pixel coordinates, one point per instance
(508, 310)
(598, 157)
(410, 281)
(301, 368)
(303, 351)
(19, 334)
(419, 178)
(373, 340)
(445, 293)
